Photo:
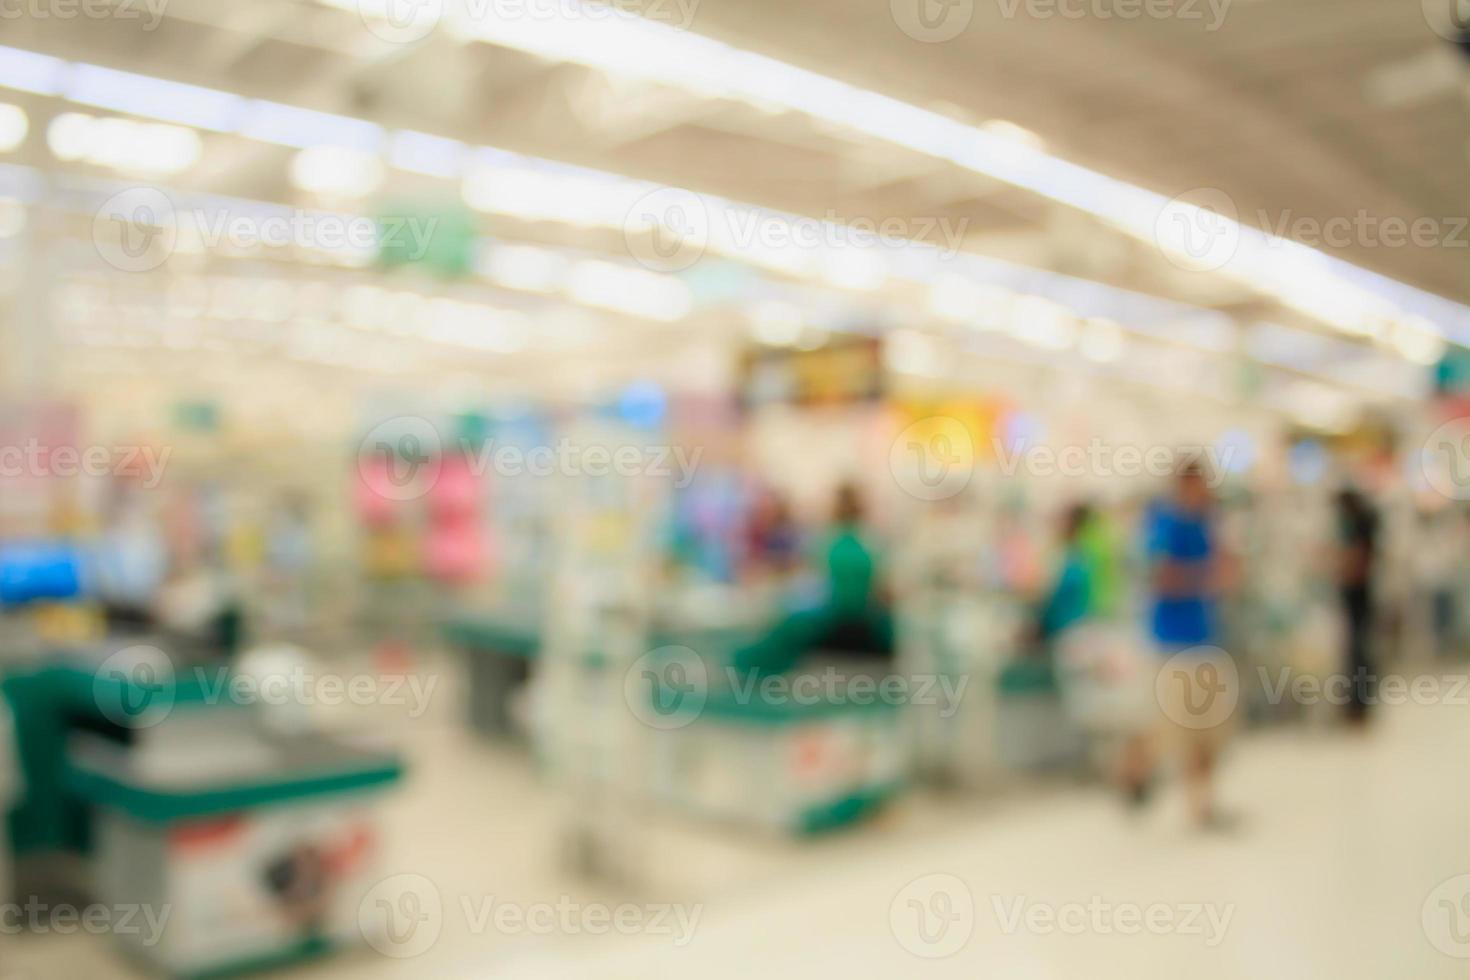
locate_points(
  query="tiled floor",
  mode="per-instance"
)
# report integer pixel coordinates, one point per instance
(1342, 867)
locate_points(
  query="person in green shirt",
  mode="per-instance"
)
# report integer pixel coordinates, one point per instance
(1074, 594)
(851, 561)
(856, 618)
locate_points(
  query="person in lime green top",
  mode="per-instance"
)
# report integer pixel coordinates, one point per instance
(1102, 551)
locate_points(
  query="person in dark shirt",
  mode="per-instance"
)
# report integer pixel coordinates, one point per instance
(1357, 559)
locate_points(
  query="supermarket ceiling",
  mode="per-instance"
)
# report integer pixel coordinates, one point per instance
(1341, 124)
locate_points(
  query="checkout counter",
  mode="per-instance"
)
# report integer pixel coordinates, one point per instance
(792, 767)
(138, 781)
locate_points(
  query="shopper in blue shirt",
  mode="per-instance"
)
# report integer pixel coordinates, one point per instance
(1185, 578)
(1181, 550)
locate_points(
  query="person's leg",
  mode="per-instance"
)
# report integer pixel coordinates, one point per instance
(1136, 768)
(1199, 778)
(1359, 668)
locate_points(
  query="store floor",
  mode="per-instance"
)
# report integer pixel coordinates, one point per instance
(1337, 868)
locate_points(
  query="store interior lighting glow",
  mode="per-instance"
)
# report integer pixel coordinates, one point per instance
(26, 71)
(1351, 299)
(1006, 129)
(912, 352)
(955, 298)
(154, 98)
(1042, 323)
(1417, 340)
(628, 290)
(336, 171)
(853, 268)
(286, 125)
(665, 54)
(523, 267)
(123, 144)
(434, 156)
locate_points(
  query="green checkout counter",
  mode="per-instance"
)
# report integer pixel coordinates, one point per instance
(790, 766)
(241, 849)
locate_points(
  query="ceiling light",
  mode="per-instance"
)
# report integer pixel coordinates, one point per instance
(628, 290)
(337, 171)
(27, 71)
(287, 125)
(155, 98)
(523, 267)
(1417, 340)
(663, 53)
(1006, 129)
(423, 153)
(853, 268)
(123, 144)
(1042, 323)
(69, 135)
(956, 298)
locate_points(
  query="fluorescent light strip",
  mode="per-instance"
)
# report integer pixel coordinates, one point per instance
(155, 98)
(287, 125)
(27, 71)
(668, 55)
(422, 153)
(1306, 284)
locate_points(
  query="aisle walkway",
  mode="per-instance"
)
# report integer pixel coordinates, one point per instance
(1341, 868)
(1342, 843)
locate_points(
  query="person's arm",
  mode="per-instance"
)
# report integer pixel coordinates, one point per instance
(1067, 602)
(1168, 576)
